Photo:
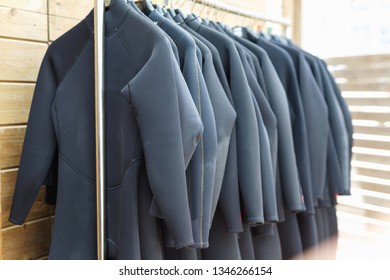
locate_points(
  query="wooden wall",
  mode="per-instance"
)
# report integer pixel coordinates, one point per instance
(364, 217)
(26, 29)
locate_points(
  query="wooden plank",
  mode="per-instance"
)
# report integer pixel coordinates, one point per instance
(39, 209)
(375, 86)
(20, 61)
(348, 209)
(362, 59)
(371, 144)
(381, 117)
(371, 186)
(365, 94)
(378, 130)
(22, 24)
(1, 245)
(1, 226)
(15, 102)
(59, 25)
(367, 80)
(372, 158)
(381, 174)
(11, 144)
(7, 182)
(29, 241)
(376, 201)
(39, 6)
(363, 209)
(368, 101)
(76, 9)
(373, 71)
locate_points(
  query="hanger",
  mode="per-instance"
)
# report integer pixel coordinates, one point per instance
(181, 13)
(172, 12)
(158, 8)
(164, 10)
(245, 32)
(144, 5)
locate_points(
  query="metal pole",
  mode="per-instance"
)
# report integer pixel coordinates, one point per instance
(221, 5)
(99, 126)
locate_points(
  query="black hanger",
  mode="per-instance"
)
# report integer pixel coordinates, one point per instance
(212, 24)
(245, 32)
(265, 36)
(145, 6)
(171, 12)
(181, 13)
(108, 4)
(206, 22)
(158, 8)
(164, 10)
(166, 14)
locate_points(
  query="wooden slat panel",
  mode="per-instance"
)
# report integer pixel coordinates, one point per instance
(373, 172)
(20, 61)
(377, 130)
(363, 71)
(370, 165)
(39, 6)
(30, 241)
(59, 25)
(348, 209)
(17, 23)
(39, 209)
(371, 144)
(11, 144)
(382, 117)
(368, 101)
(15, 101)
(358, 208)
(353, 60)
(7, 182)
(372, 158)
(376, 201)
(1, 226)
(367, 80)
(365, 87)
(76, 9)
(365, 94)
(371, 186)
(1, 245)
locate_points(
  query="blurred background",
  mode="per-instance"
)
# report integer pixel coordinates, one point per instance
(353, 36)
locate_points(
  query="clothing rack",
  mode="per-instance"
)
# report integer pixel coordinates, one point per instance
(99, 7)
(219, 5)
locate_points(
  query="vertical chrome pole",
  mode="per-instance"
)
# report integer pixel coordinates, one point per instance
(99, 126)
